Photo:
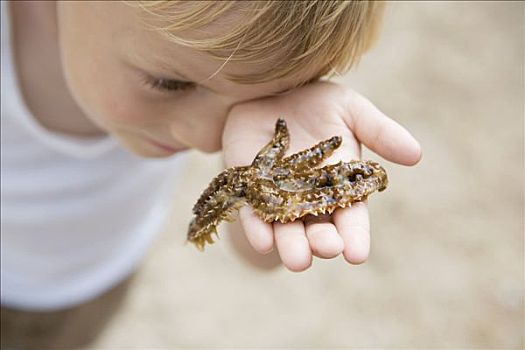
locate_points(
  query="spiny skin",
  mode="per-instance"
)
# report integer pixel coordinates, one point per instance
(284, 188)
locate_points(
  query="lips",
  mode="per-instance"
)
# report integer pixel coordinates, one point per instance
(162, 146)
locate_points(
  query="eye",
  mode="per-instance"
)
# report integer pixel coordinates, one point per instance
(168, 85)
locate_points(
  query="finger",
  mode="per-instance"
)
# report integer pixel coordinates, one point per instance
(354, 227)
(258, 232)
(292, 245)
(322, 235)
(381, 134)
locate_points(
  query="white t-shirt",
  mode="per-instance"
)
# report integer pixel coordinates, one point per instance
(76, 216)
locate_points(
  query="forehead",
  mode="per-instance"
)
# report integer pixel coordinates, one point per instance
(141, 41)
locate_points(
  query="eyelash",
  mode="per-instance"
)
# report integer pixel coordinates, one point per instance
(168, 85)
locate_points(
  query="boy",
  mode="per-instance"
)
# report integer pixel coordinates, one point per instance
(160, 77)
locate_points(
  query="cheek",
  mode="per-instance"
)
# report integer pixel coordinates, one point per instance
(100, 84)
(108, 94)
(121, 105)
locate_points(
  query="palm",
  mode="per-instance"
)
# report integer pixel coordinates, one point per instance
(314, 113)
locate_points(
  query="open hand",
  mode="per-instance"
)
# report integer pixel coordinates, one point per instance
(313, 113)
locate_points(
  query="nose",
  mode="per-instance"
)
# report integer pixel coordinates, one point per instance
(198, 129)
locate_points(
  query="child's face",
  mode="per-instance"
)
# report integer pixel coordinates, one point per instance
(125, 78)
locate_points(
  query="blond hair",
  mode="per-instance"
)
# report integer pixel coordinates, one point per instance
(313, 38)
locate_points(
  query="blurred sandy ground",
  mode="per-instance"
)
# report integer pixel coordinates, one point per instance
(447, 262)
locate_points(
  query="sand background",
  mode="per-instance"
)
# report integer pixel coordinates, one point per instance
(447, 263)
